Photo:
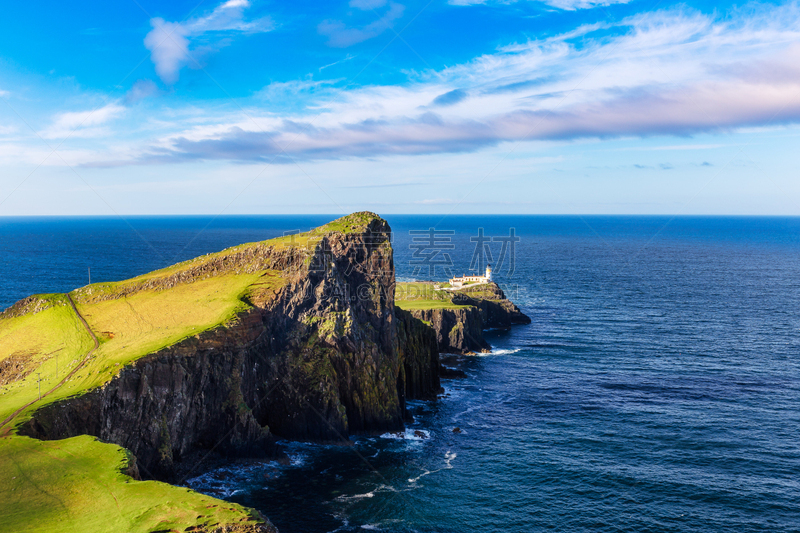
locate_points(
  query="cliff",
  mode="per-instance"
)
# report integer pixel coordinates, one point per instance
(419, 352)
(320, 355)
(497, 311)
(297, 338)
(457, 330)
(459, 318)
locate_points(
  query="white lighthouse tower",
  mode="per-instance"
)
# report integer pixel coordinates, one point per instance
(488, 272)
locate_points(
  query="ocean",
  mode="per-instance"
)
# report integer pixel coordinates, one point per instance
(657, 388)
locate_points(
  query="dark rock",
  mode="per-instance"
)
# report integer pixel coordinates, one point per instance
(328, 356)
(460, 330)
(457, 330)
(419, 353)
(496, 310)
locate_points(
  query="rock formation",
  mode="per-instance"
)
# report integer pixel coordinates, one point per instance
(460, 329)
(326, 357)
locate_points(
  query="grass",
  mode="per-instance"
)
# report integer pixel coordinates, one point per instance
(128, 328)
(353, 223)
(78, 484)
(411, 305)
(422, 295)
(146, 321)
(40, 342)
(247, 256)
(480, 292)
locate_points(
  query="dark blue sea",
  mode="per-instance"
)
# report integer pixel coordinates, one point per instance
(657, 389)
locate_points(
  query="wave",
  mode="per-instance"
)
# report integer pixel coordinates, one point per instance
(503, 351)
(467, 411)
(408, 434)
(230, 480)
(297, 459)
(448, 459)
(365, 495)
(356, 497)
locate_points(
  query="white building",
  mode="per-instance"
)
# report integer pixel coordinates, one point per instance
(463, 280)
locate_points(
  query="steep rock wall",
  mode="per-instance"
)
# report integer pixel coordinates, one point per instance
(320, 360)
(461, 330)
(186, 397)
(419, 353)
(497, 311)
(457, 330)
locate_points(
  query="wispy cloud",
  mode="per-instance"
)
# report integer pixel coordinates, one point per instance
(347, 58)
(293, 89)
(673, 72)
(572, 5)
(568, 5)
(82, 124)
(141, 89)
(340, 35)
(171, 43)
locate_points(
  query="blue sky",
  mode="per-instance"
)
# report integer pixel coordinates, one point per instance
(466, 106)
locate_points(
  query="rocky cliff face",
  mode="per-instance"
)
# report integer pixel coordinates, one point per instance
(326, 357)
(419, 352)
(460, 330)
(190, 396)
(497, 311)
(457, 330)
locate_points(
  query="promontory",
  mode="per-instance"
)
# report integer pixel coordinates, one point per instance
(115, 390)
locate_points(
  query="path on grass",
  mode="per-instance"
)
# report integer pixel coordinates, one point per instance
(469, 286)
(72, 373)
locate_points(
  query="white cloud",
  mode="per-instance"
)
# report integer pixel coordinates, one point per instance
(141, 89)
(169, 42)
(571, 5)
(674, 72)
(568, 5)
(83, 123)
(340, 36)
(294, 94)
(671, 72)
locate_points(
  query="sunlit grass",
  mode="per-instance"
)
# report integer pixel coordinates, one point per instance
(49, 341)
(422, 295)
(77, 485)
(147, 321)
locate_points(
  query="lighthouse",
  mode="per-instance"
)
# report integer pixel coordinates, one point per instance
(457, 283)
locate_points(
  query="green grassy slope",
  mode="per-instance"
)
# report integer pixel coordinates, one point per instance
(76, 484)
(34, 346)
(422, 295)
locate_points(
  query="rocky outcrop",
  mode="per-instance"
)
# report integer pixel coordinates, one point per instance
(460, 329)
(419, 353)
(327, 356)
(497, 311)
(33, 304)
(193, 395)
